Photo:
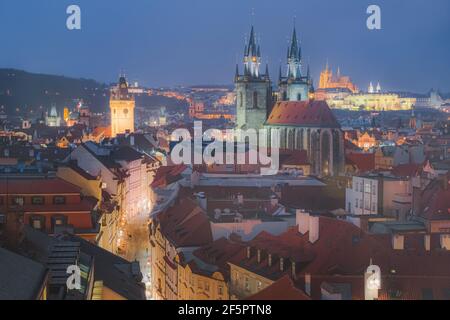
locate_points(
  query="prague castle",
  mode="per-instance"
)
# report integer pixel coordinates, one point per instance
(304, 124)
(329, 81)
(122, 106)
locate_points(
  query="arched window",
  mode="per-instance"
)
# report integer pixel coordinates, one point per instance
(255, 100)
(241, 100)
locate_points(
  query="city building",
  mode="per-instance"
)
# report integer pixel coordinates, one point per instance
(122, 105)
(379, 194)
(311, 126)
(329, 81)
(253, 89)
(50, 205)
(294, 86)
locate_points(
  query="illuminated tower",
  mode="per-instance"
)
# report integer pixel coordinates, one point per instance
(253, 89)
(294, 87)
(122, 109)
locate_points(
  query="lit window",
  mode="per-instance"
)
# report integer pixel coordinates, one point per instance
(18, 201)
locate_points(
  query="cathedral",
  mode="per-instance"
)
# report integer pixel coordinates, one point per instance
(304, 124)
(122, 106)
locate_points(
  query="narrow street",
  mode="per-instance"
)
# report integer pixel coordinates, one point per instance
(138, 247)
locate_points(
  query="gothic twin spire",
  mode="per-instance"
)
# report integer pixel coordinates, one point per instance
(252, 58)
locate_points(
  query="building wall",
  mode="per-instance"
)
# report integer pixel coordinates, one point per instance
(245, 283)
(247, 115)
(122, 116)
(362, 198)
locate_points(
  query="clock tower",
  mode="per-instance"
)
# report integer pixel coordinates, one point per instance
(122, 109)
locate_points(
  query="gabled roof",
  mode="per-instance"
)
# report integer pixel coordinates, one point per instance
(303, 114)
(185, 224)
(282, 289)
(20, 278)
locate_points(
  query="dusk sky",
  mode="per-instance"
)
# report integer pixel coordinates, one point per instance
(186, 42)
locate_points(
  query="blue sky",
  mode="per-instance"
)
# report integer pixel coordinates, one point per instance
(183, 42)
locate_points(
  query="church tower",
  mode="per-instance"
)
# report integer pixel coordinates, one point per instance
(253, 89)
(122, 109)
(295, 86)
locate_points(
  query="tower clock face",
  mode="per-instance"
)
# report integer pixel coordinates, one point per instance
(125, 111)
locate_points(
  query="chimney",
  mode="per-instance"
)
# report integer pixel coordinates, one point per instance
(313, 229)
(427, 242)
(308, 284)
(302, 221)
(201, 200)
(398, 242)
(294, 271)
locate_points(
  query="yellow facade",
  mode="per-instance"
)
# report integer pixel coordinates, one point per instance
(194, 286)
(245, 283)
(374, 102)
(109, 221)
(190, 285)
(383, 162)
(122, 116)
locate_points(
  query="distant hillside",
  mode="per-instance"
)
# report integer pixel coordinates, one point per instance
(29, 91)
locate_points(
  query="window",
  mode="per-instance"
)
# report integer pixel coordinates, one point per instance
(374, 207)
(220, 290)
(1, 201)
(367, 187)
(18, 201)
(59, 221)
(255, 100)
(374, 189)
(37, 222)
(357, 203)
(247, 284)
(59, 200)
(367, 204)
(206, 286)
(2, 219)
(299, 97)
(259, 285)
(37, 200)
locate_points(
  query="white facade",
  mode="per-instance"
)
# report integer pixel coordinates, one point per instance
(362, 198)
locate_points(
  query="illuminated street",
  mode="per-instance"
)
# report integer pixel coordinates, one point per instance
(138, 246)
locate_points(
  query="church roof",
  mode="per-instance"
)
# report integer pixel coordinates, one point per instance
(303, 114)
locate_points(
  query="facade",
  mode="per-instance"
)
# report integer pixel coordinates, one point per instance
(52, 119)
(379, 195)
(311, 126)
(329, 81)
(50, 205)
(253, 89)
(122, 105)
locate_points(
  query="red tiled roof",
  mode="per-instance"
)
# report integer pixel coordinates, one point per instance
(185, 224)
(303, 114)
(363, 161)
(37, 186)
(167, 174)
(282, 289)
(407, 170)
